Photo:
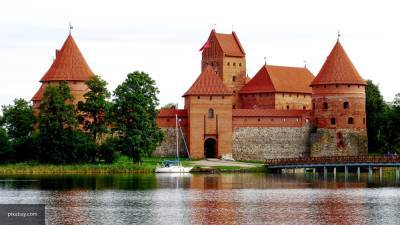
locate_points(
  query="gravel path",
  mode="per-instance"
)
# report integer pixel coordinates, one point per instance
(218, 162)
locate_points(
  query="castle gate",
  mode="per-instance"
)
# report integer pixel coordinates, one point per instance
(210, 148)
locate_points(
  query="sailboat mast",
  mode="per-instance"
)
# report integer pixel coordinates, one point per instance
(176, 133)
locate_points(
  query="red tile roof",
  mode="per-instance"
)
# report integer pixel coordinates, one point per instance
(39, 94)
(268, 112)
(261, 82)
(338, 69)
(230, 44)
(172, 113)
(69, 64)
(280, 79)
(208, 83)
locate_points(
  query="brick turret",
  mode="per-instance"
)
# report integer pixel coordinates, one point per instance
(338, 99)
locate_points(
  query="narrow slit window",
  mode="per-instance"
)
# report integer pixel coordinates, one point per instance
(210, 113)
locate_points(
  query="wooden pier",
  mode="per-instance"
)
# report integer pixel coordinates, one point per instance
(335, 163)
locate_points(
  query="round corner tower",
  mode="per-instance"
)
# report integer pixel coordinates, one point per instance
(338, 100)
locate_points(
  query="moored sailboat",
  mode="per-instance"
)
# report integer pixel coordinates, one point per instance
(169, 166)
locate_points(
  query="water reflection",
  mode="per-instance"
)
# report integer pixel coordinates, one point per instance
(208, 199)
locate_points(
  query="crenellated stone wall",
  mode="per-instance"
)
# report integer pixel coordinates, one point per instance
(167, 148)
(260, 143)
(339, 142)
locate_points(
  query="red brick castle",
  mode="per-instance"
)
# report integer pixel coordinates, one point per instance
(282, 112)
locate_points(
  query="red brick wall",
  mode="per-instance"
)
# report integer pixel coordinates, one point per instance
(258, 100)
(266, 121)
(335, 96)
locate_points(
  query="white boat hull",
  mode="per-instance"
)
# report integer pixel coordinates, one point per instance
(173, 169)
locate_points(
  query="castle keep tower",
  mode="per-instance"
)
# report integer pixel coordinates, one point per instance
(338, 99)
(69, 65)
(224, 53)
(209, 109)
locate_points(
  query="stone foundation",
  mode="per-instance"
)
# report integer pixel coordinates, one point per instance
(339, 142)
(261, 143)
(167, 148)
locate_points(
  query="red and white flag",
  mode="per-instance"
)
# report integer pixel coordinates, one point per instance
(205, 46)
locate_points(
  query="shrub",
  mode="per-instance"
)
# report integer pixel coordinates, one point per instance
(108, 150)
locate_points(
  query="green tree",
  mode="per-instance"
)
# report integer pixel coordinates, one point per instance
(170, 106)
(5, 150)
(18, 119)
(94, 109)
(135, 113)
(392, 132)
(57, 122)
(375, 110)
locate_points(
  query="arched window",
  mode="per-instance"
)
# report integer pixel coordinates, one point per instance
(325, 105)
(210, 113)
(350, 120)
(287, 107)
(233, 78)
(333, 121)
(346, 105)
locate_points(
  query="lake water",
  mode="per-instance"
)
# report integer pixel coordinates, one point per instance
(207, 199)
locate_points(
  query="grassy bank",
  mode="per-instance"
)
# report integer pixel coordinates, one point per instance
(122, 165)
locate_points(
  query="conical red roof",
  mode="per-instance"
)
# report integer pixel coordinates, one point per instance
(69, 64)
(338, 69)
(208, 83)
(39, 94)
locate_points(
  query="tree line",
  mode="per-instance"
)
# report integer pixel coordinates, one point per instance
(383, 121)
(94, 130)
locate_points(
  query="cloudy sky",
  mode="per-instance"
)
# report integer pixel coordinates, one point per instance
(163, 38)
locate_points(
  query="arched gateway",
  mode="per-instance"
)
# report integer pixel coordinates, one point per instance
(210, 148)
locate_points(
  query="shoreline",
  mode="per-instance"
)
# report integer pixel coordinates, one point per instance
(105, 169)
